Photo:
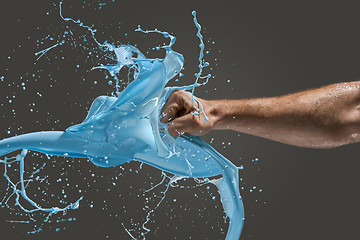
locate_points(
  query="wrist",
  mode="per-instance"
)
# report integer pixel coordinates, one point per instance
(217, 114)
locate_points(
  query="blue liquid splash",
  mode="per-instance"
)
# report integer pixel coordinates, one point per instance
(127, 127)
(201, 65)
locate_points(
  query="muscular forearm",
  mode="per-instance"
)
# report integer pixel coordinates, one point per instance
(321, 118)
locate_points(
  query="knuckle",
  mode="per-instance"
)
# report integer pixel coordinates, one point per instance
(176, 93)
(171, 109)
(179, 94)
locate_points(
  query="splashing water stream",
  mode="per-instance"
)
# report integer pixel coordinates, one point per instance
(127, 127)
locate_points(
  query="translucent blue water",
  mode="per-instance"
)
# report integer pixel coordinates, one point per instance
(127, 127)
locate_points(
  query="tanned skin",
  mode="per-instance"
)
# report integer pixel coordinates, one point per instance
(325, 117)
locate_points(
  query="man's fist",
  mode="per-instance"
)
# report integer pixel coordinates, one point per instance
(183, 117)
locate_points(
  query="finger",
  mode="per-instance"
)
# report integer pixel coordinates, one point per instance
(178, 104)
(173, 105)
(180, 125)
(169, 111)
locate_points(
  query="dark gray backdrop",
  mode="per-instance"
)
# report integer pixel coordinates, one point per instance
(266, 48)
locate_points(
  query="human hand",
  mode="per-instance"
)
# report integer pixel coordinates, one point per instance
(179, 112)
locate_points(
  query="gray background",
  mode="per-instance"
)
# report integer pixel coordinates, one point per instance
(266, 48)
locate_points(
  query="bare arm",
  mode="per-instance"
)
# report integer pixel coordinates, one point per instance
(326, 117)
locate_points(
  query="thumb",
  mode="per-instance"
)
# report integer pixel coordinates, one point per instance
(185, 123)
